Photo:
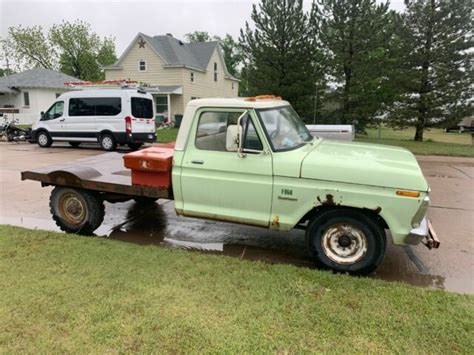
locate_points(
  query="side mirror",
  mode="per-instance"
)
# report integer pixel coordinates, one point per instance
(233, 135)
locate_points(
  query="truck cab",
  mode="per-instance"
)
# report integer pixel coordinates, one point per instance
(253, 161)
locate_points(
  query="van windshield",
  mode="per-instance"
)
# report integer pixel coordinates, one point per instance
(284, 128)
(142, 108)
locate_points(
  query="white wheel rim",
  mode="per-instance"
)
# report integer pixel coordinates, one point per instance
(42, 139)
(107, 142)
(344, 243)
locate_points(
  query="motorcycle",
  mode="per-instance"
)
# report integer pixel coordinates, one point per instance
(10, 132)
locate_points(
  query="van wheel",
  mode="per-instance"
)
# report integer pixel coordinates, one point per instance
(43, 139)
(346, 241)
(76, 211)
(74, 144)
(134, 146)
(108, 142)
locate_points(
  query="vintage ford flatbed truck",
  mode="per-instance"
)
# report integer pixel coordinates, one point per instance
(253, 161)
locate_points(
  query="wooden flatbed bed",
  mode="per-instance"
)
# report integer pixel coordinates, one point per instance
(103, 173)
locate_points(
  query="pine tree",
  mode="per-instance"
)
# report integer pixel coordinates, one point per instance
(357, 36)
(277, 53)
(435, 71)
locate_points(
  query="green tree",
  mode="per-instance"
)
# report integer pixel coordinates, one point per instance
(72, 48)
(81, 50)
(198, 36)
(31, 48)
(278, 53)
(435, 69)
(357, 36)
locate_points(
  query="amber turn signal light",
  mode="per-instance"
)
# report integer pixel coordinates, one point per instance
(408, 193)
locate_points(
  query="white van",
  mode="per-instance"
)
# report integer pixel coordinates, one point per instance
(110, 117)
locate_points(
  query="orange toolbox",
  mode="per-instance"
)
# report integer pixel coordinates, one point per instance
(151, 166)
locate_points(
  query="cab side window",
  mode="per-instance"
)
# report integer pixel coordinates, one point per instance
(55, 111)
(212, 131)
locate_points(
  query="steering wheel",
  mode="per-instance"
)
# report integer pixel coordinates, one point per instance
(273, 134)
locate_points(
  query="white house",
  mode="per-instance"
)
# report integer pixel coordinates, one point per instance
(24, 95)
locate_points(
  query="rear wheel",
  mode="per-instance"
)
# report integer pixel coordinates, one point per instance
(346, 241)
(134, 146)
(43, 139)
(76, 211)
(108, 142)
(74, 144)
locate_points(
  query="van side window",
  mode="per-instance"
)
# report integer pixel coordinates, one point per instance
(212, 131)
(95, 106)
(55, 111)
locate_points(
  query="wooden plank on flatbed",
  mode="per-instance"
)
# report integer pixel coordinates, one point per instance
(104, 173)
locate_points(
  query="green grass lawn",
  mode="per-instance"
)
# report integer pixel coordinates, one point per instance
(437, 142)
(63, 294)
(166, 135)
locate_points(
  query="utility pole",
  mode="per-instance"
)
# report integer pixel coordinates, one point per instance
(315, 102)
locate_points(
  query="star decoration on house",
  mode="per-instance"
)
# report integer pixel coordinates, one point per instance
(141, 43)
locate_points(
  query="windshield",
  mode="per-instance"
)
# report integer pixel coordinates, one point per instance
(285, 128)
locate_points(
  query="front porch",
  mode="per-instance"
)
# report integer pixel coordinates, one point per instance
(168, 102)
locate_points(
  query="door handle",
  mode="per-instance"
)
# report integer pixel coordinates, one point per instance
(200, 162)
(62, 120)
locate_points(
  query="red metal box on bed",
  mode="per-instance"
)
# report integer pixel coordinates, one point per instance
(151, 166)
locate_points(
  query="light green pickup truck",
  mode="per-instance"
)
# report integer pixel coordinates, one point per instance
(252, 161)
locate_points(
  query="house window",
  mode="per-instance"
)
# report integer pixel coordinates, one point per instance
(232, 86)
(26, 99)
(192, 77)
(142, 65)
(161, 103)
(215, 71)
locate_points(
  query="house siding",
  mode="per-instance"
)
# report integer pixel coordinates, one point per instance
(204, 84)
(40, 100)
(155, 74)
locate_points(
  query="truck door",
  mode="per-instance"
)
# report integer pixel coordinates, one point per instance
(220, 184)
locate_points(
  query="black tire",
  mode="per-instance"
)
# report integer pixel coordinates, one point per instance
(76, 211)
(135, 146)
(74, 144)
(329, 233)
(142, 200)
(107, 142)
(43, 139)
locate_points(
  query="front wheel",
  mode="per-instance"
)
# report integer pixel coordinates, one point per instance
(346, 241)
(76, 211)
(43, 139)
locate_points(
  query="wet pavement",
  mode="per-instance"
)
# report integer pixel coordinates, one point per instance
(452, 212)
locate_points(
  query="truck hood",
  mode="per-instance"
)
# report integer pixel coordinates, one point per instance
(363, 163)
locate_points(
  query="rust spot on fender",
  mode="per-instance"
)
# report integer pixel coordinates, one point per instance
(276, 221)
(329, 200)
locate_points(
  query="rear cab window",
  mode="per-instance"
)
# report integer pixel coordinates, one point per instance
(142, 107)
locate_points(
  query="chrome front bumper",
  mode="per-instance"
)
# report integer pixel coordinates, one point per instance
(424, 234)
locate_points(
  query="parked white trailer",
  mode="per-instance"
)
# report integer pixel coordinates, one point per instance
(337, 132)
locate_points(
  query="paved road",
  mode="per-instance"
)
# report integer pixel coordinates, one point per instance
(452, 212)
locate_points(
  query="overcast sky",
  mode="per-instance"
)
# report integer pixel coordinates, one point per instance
(124, 19)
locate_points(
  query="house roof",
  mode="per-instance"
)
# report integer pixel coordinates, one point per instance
(178, 53)
(35, 78)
